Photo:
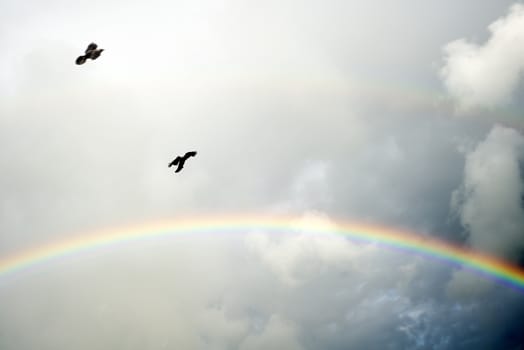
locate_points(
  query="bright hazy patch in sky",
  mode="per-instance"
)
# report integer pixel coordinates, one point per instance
(331, 110)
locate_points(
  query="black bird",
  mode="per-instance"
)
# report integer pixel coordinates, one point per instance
(181, 160)
(91, 52)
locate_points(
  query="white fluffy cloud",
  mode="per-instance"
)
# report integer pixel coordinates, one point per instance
(487, 75)
(299, 257)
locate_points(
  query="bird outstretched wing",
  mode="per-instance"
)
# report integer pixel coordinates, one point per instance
(91, 47)
(174, 162)
(190, 154)
(180, 166)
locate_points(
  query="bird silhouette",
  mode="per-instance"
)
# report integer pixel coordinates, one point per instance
(91, 52)
(181, 160)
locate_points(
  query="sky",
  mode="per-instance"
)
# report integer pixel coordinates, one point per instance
(403, 114)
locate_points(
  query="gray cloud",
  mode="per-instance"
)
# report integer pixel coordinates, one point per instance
(277, 333)
(490, 199)
(489, 202)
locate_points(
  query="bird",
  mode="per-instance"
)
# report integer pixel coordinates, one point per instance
(181, 160)
(92, 52)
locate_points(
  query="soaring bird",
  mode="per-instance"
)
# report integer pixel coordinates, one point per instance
(91, 52)
(181, 160)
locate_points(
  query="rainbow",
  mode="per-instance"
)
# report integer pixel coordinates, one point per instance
(483, 264)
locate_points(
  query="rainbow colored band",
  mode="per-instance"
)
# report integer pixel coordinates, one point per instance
(486, 265)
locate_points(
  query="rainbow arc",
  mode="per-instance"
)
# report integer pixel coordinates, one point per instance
(488, 266)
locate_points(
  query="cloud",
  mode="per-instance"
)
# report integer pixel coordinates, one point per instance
(487, 75)
(299, 257)
(489, 201)
(277, 333)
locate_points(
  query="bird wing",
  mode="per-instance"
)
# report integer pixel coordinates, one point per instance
(91, 47)
(95, 54)
(190, 154)
(174, 162)
(180, 166)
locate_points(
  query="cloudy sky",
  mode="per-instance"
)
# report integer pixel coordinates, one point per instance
(404, 114)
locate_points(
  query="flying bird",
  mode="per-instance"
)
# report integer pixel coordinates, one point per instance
(92, 52)
(181, 160)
